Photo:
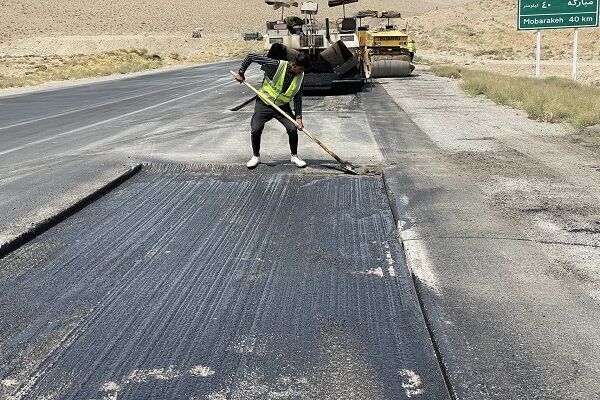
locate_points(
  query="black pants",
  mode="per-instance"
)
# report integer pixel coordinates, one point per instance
(264, 113)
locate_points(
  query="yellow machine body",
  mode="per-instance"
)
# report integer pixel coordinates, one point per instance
(388, 39)
(384, 52)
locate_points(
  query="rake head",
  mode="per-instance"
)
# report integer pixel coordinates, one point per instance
(349, 168)
(344, 167)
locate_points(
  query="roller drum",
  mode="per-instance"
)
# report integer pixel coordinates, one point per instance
(388, 69)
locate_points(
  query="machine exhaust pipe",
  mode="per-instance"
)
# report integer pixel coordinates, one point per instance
(327, 34)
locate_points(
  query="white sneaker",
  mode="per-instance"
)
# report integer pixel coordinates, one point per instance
(300, 163)
(254, 161)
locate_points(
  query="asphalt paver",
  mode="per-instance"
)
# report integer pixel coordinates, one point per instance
(216, 282)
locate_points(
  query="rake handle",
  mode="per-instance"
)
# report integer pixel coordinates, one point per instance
(306, 131)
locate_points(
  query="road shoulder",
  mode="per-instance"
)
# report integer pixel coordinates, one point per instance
(500, 228)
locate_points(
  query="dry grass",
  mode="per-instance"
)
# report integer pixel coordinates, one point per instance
(77, 67)
(447, 70)
(550, 99)
(486, 29)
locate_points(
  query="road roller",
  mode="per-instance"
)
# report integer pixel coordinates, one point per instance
(343, 53)
(384, 49)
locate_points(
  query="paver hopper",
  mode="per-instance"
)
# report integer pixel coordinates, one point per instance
(333, 53)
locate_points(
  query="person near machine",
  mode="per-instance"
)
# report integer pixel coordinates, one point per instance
(411, 49)
(294, 25)
(283, 81)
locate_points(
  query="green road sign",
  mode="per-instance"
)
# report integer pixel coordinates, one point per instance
(551, 14)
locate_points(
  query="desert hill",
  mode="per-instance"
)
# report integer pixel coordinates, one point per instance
(31, 18)
(478, 33)
(483, 34)
(488, 28)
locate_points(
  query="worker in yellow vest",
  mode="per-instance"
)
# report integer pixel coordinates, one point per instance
(411, 49)
(282, 83)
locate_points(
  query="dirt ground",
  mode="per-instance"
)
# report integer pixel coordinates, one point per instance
(50, 32)
(475, 33)
(544, 175)
(588, 72)
(25, 56)
(35, 18)
(482, 35)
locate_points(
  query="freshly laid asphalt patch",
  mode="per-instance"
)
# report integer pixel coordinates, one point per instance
(196, 283)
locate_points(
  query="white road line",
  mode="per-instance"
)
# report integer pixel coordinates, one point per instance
(98, 105)
(109, 120)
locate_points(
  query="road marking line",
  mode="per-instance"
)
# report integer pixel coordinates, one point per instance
(108, 120)
(96, 106)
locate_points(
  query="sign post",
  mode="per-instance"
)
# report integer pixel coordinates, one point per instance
(575, 45)
(538, 55)
(556, 14)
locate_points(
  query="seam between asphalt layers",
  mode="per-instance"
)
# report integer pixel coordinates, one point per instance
(315, 168)
(436, 347)
(501, 238)
(43, 226)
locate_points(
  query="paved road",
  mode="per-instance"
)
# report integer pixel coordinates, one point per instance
(189, 282)
(58, 144)
(162, 289)
(506, 321)
(499, 217)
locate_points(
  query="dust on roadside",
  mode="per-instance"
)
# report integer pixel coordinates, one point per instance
(543, 177)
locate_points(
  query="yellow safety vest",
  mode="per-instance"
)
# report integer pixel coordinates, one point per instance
(410, 47)
(273, 88)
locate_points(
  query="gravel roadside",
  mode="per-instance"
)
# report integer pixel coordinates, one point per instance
(500, 220)
(547, 176)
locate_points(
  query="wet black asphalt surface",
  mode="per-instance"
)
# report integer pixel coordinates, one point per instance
(218, 283)
(195, 282)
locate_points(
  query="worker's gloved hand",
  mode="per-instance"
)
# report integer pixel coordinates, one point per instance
(299, 123)
(240, 77)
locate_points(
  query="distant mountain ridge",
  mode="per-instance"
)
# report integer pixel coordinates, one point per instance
(30, 18)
